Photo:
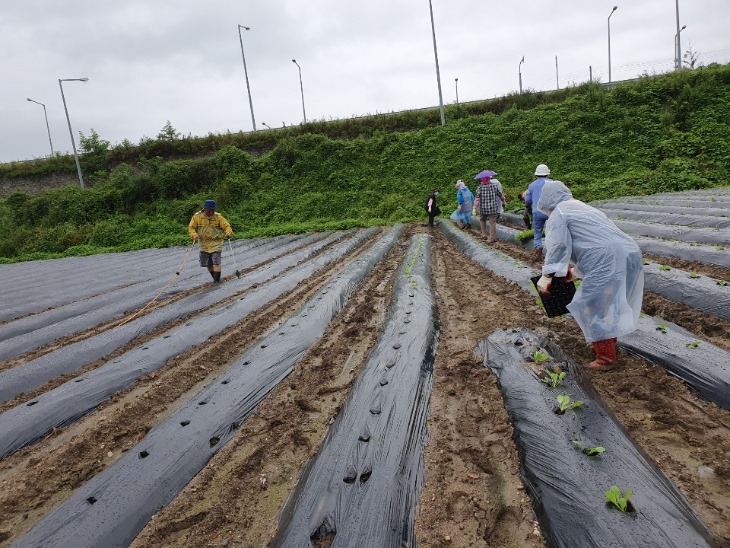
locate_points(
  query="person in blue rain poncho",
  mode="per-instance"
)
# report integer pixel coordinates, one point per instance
(608, 302)
(464, 197)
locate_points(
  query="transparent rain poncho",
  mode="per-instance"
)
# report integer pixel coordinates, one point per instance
(608, 302)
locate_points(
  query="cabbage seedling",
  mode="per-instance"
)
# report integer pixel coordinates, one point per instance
(694, 275)
(662, 327)
(565, 403)
(613, 496)
(665, 267)
(553, 380)
(590, 451)
(693, 344)
(539, 356)
(721, 282)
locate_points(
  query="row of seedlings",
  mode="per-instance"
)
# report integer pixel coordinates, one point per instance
(589, 484)
(364, 484)
(28, 422)
(112, 507)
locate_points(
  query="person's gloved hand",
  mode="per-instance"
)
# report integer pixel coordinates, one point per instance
(543, 284)
(229, 234)
(569, 277)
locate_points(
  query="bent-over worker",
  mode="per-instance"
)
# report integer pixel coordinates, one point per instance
(608, 302)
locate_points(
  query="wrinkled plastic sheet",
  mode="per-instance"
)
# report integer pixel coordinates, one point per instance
(700, 221)
(715, 255)
(566, 486)
(709, 236)
(666, 209)
(69, 358)
(514, 219)
(703, 366)
(490, 258)
(698, 292)
(29, 421)
(707, 371)
(364, 484)
(112, 507)
(34, 331)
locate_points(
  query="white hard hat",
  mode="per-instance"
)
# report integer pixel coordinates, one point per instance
(542, 170)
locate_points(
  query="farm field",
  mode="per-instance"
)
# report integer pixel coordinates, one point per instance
(357, 388)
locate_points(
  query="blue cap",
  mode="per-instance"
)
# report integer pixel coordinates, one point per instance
(209, 204)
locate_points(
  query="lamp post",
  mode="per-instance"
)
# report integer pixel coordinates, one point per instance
(70, 131)
(519, 71)
(301, 87)
(47, 126)
(245, 72)
(456, 81)
(609, 42)
(438, 73)
(677, 51)
(677, 46)
(266, 125)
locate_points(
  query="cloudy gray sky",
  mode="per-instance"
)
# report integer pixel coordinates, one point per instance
(149, 61)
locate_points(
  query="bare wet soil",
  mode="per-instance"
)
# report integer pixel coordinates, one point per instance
(473, 494)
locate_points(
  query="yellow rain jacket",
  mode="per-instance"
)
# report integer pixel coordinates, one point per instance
(212, 231)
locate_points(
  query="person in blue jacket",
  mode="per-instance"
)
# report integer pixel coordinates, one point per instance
(465, 199)
(532, 197)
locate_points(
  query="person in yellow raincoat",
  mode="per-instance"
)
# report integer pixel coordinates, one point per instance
(208, 228)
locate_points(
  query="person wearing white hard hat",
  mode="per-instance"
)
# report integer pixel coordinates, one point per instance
(608, 302)
(532, 197)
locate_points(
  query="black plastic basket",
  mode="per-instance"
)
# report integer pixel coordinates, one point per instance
(561, 293)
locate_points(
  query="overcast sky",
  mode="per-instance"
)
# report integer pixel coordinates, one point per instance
(149, 61)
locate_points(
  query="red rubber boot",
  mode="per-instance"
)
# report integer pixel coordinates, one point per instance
(605, 355)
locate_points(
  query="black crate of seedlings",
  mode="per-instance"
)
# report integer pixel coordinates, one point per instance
(561, 293)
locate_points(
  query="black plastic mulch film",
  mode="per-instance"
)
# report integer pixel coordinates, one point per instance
(567, 486)
(33, 331)
(71, 357)
(112, 507)
(703, 366)
(28, 422)
(364, 484)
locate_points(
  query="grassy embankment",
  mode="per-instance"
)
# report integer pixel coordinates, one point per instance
(662, 133)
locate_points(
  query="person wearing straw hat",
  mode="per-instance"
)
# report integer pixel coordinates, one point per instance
(208, 228)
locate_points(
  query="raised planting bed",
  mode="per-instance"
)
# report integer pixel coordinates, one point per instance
(560, 427)
(363, 486)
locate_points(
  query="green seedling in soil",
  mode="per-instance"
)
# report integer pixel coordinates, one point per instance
(694, 244)
(662, 327)
(693, 344)
(646, 263)
(553, 380)
(664, 267)
(694, 275)
(539, 356)
(565, 403)
(590, 451)
(722, 283)
(613, 496)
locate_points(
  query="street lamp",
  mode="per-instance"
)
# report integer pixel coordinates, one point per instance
(519, 71)
(456, 81)
(677, 46)
(70, 131)
(609, 43)
(245, 72)
(677, 51)
(438, 73)
(301, 87)
(265, 124)
(47, 126)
